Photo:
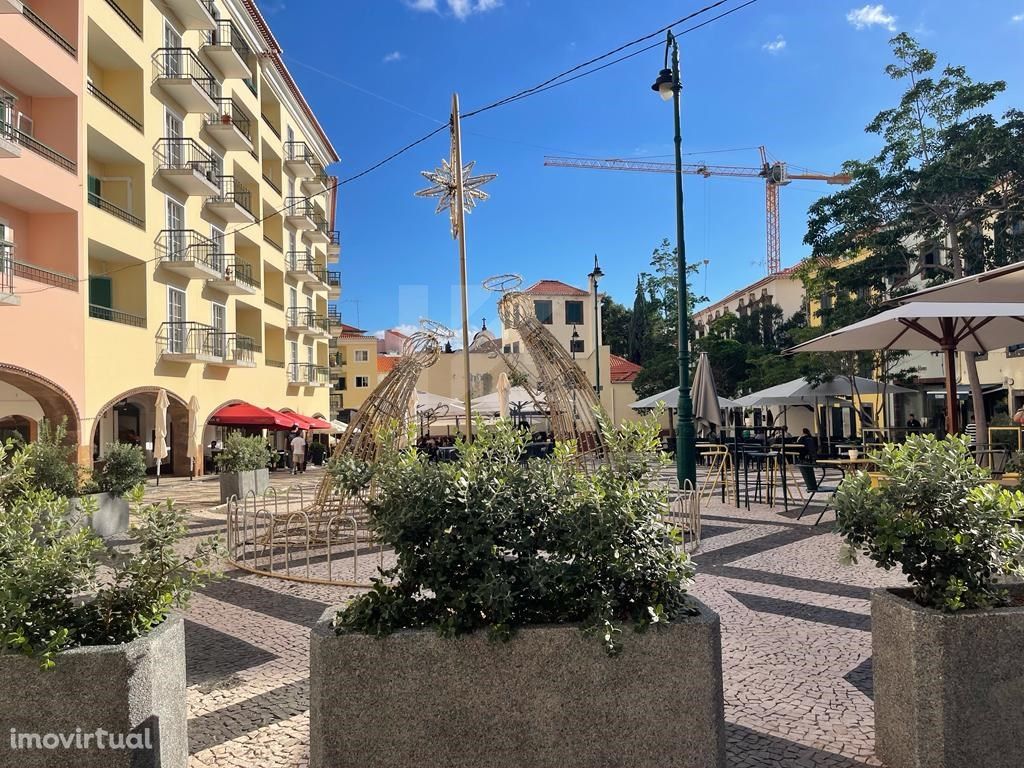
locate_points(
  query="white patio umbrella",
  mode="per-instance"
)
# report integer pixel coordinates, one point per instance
(160, 431)
(504, 385)
(670, 398)
(931, 325)
(1005, 284)
(519, 400)
(803, 392)
(430, 403)
(194, 449)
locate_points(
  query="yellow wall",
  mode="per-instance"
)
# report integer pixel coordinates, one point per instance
(353, 396)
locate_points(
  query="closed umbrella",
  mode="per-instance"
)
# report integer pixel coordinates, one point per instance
(193, 432)
(706, 411)
(927, 325)
(504, 386)
(160, 431)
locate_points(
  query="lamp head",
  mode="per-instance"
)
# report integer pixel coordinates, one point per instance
(597, 274)
(665, 84)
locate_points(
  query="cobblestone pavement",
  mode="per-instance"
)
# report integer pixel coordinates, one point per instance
(795, 639)
(204, 492)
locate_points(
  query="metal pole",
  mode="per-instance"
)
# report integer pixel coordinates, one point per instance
(686, 459)
(597, 337)
(461, 219)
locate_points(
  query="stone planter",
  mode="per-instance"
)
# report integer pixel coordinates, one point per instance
(949, 687)
(134, 691)
(110, 516)
(551, 696)
(241, 484)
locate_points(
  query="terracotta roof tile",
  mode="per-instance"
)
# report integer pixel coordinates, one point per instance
(623, 369)
(386, 362)
(554, 288)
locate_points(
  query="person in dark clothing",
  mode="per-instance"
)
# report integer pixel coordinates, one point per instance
(809, 445)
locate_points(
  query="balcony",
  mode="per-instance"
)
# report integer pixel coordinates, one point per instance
(299, 160)
(301, 266)
(317, 183)
(105, 205)
(193, 14)
(305, 320)
(231, 350)
(112, 105)
(186, 166)
(227, 50)
(334, 318)
(334, 244)
(299, 214)
(7, 297)
(186, 341)
(233, 203)
(13, 140)
(9, 146)
(237, 278)
(190, 254)
(116, 316)
(49, 31)
(319, 234)
(306, 374)
(185, 79)
(229, 126)
(333, 282)
(45, 276)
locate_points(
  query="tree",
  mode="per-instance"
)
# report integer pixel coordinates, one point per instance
(947, 172)
(640, 327)
(616, 321)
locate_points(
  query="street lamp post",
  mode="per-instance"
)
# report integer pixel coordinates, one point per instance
(572, 348)
(669, 86)
(594, 276)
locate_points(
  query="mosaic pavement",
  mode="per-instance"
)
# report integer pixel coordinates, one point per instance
(795, 638)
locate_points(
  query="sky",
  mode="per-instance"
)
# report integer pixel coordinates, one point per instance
(801, 77)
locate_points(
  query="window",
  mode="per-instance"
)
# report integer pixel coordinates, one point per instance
(362, 382)
(101, 291)
(173, 129)
(219, 320)
(826, 301)
(543, 311)
(309, 356)
(341, 383)
(218, 256)
(176, 320)
(361, 356)
(574, 313)
(576, 345)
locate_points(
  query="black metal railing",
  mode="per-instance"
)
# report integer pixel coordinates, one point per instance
(299, 152)
(270, 124)
(336, 359)
(271, 241)
(114, 106)
(9, 132)
(299, 206)
(229, 345)
(251, 85)
(229, 113)
(116, 316)
(180, 153)
(304, 317)
(318, 174)
(39, 274)
(300, 261)
(231, 192)
(175, 246)
(49, 31)
(272, 184)
(334, 316)
(334, 238)
(125, 17)
(185, 337)
(181, 63)
(6, 267)
(114, 210)
(331, 279)
(320, 224)
(227, 33)
(240, 272)
(306, 373)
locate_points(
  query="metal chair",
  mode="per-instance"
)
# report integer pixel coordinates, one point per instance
(814, 487)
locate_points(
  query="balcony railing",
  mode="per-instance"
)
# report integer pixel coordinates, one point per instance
(116, 316)
(297, 151)
(273, 128)
(298, 261)
(28, 141)
(105, 205)
(181, 63)
(125, 17)
(227, 33)
(178, 245)
(241, 272)
(114, 106)
(272, 184)
(177, 154)
(39, 274)
(228, 345)
(334, 316)
(185, 338)
(305, 317)
(335, 238)
(329, 278)
(271, 241)
(299, 206)
(49, 31)
(230, 192)
(231, 113)
(273, 303)
(6, 268)
(305, 373)
(273, 363)
(320, 221)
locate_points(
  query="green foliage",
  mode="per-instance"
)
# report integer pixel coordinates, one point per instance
(124, 467)
(615, 324)
(52, 462)
(61, 587)
(939, 519)
(243, 454)
(493, 542)
(349, 473)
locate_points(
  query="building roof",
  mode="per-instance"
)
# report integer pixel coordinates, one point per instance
(554, 288)
(623, 369)
(346, 328)
(396, 332)
(786, 274)
(386, 362)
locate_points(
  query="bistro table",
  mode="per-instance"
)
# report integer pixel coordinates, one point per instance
(847, 465)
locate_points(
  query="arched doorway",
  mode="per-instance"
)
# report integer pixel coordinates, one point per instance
(131, 418)
(26, 398)
(20, 429)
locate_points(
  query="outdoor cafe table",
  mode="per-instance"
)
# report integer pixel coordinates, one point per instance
(847, 465)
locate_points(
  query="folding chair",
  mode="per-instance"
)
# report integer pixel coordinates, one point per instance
(814, 487)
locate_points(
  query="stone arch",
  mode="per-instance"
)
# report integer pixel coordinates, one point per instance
(177, 418)
(56, 403)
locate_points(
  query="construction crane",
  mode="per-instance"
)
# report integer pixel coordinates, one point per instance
(775, 175)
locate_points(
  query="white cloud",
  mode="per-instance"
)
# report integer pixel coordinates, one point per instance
(393, 56)
(1017, 18)
(871, 16)
(775, 45)
(422, 5)
(460, 9)
(487, 5)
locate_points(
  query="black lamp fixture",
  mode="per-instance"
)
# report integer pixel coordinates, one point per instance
(573, 341)
(594, 276)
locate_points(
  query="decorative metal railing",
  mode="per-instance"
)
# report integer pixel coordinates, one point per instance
(229, 345)
(231, 192)
(6, 267)
(303, 317)
(9, 132)
(270, 124)
(300, 261)
(116, 316)
(39, 274)
(306, 373)
(184, 337)
(299, 206)
(114, 106)
(271, 241)
(125, 17)
(180, 153)
(49, 31)
(227, 33)
(230, 113)
(298, 151)
(187, 245)
(114, 210)
(180, 63)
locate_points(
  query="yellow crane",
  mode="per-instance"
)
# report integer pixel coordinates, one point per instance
(775, 175)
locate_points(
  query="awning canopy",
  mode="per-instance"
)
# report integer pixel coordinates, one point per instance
(306, 422)
(519, 400)
(246, 415)
(670, 397)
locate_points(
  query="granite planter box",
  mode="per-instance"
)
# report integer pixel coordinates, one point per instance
(949, 687)
(551, 696)
(135, 691)
(241, 484)
(110, 516)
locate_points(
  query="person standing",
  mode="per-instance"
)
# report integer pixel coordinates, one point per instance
(913, 425)
(298, 448)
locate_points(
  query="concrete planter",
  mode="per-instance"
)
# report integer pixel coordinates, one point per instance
(242, 483)
(110, 517)
(949, 687)
(549, 697)
(135, 691)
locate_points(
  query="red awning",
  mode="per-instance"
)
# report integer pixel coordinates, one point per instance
(245, 415)
(306, 422)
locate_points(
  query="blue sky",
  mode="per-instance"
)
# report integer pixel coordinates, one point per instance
(802, 77)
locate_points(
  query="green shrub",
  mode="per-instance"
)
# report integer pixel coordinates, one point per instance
(61, 586)
(52, 461)
(243, 454)
(493, 542)
(124, 467)
(938, 519)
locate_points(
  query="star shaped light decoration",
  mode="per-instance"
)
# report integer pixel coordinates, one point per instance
(445, 187)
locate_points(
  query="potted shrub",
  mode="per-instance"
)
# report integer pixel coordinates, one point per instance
(948, 682)
(91, 658)
(503, 626)
(243, 466)
(123, 468)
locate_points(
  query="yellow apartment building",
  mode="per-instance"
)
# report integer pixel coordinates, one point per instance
(354, 368)
(207, 230)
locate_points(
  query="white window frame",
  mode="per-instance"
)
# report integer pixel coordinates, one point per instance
(176, 334)
(365, 380)
(360, 356)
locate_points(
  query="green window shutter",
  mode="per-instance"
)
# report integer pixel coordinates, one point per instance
(94, 186)
(101, 292)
